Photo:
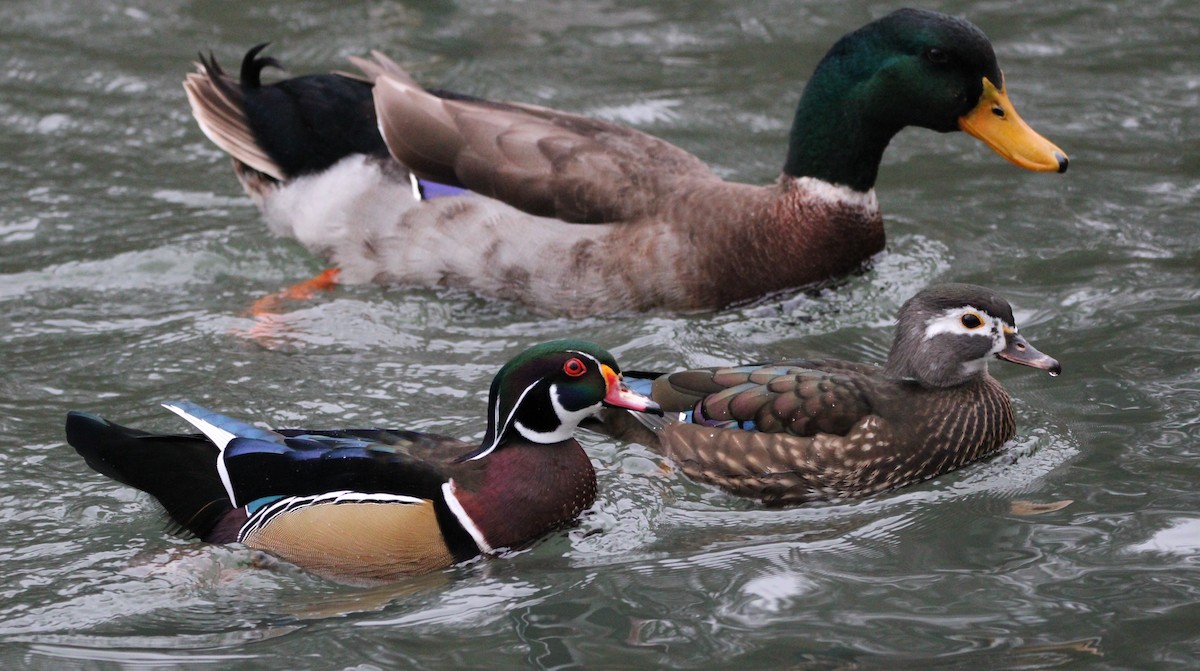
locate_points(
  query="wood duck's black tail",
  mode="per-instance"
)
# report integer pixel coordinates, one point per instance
(178, 470)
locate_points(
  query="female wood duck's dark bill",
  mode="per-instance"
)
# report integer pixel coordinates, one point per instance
(995, 122)
(1018, 350)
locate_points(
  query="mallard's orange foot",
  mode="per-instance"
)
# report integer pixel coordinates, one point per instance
(272, 304)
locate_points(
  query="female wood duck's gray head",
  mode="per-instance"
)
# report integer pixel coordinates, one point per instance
(946, 335)
(910, 68)
(543, 394)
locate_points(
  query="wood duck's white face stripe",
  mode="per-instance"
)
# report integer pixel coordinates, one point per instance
(464, 519)
(568, 421)
(501, 428)
(951, 321)
(565, 417)
(287, 504)
(220, 437)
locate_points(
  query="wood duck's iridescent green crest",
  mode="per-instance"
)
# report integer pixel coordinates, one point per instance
(365, 505)
(806, 430)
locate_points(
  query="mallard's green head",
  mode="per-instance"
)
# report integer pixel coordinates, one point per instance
(911, 68)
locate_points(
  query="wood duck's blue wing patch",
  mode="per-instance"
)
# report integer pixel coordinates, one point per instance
(219, 428)
(257, 504)
(315, 463)
(645, 385)
(697, 416)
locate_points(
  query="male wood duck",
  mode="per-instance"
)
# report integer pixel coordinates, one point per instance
(820, 429)
(371, 505)
(554, 202)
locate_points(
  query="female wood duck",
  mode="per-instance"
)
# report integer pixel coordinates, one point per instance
(808, 430)
(557, 200)
(369, 505)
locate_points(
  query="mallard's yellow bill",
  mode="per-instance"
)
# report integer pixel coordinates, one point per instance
(996, 123)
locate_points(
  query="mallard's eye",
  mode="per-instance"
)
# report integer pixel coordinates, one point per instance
(971, 320)
(574, 367)
(937, 56)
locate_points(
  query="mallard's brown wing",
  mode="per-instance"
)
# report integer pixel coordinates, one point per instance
(539, 160)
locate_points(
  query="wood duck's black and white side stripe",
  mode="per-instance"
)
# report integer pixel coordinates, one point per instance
(464, 520)
(221, 437)
(264, 514)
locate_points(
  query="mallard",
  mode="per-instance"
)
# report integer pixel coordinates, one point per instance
(395, 183)
(806, 430)
(372, 505)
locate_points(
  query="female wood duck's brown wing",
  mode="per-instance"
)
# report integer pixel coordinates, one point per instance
(539, 160)
(800, 400)
(804, 404)
(782, 434)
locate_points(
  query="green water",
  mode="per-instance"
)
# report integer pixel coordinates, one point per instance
(127, 253)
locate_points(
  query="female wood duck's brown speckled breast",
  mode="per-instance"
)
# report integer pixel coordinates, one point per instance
(371, 505)
(809, 430)
(575, 215)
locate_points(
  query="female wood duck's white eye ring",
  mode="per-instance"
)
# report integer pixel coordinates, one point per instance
(574, 367)
(971, 321)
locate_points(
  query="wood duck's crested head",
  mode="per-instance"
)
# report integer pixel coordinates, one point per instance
(543, 394)
(946, 334)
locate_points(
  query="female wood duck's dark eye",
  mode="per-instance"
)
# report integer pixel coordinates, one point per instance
(574, 367)
(937, 56)
(971, 320)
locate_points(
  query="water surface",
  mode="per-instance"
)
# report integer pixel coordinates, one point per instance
(128, 253)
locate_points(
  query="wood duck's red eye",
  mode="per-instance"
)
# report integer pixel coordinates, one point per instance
(574, 367)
